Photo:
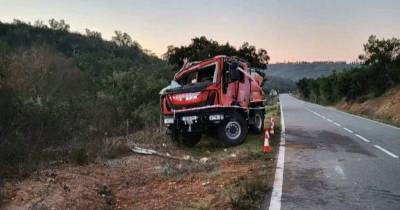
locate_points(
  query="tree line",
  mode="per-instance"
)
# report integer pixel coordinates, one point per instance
(380, 71)
(202, 48)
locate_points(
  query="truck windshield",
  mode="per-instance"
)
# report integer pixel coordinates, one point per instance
(206, 74)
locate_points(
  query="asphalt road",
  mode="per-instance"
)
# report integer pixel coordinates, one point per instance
(334, 160)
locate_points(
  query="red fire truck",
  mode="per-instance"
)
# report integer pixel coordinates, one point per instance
(220, 96)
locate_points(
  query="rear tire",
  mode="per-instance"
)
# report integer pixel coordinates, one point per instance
(258, 126)
(190, 140)
(233, 131)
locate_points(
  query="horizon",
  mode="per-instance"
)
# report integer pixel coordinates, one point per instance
(290, 32)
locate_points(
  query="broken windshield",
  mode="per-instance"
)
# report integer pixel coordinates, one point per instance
(206, 74)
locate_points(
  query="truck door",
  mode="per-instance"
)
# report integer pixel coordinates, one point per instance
(244, 89)
(235, 92)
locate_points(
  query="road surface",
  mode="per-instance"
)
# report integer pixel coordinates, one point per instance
(334, 160)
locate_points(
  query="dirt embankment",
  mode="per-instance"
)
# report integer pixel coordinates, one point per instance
(385, 107)
(143, 182)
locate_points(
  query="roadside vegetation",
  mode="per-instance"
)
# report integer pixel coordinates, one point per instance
(379, 72)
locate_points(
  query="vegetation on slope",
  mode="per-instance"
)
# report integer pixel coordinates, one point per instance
(385, 108)
(279, 84)
(380, 71)
(62, 93)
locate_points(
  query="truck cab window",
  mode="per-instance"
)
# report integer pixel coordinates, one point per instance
(202, 75)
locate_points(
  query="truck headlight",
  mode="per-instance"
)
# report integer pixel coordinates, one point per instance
(216, 117)
(168, 120)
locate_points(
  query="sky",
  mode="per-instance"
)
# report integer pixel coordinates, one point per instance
(290, 30)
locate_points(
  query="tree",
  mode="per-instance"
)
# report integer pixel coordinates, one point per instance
(124, 40)
(381, 55)
(380, 51)
(202, 48)
(60, 25)
(39, 24)
(93, 34)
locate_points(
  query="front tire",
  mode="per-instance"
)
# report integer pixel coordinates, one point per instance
(234, 131)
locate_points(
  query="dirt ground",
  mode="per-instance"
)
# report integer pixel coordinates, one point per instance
(146, 182)
(385, 107)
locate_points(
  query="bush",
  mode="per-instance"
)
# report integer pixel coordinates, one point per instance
(79, 156)
(248, 194)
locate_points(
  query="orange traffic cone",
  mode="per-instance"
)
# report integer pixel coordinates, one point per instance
(267, 148)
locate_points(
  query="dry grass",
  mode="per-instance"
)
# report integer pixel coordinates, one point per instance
(384, 108)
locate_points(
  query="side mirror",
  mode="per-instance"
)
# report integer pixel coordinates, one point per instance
(234, 72)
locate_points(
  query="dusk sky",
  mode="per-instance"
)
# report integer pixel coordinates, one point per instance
(306, 30)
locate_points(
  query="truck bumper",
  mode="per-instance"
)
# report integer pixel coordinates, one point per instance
(194, 121)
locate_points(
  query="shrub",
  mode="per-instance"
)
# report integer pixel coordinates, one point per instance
(79, 156)
(248, 194)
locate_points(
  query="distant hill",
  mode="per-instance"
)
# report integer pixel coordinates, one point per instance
(297, 71)
(280, 84)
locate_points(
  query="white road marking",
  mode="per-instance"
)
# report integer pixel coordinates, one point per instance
(337, 124)
(353, 115)
(348, 130)
(363, 138)
(276, 195)
(386, 151)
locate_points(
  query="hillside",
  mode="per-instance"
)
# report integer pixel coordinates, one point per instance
(62, 93)
(282, 85)
(297, 71)
(384, 108)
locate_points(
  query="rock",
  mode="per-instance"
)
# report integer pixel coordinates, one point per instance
(50, 180)
(233, 155)
(186, 157)
(203, 160)
(66, 188)
(225, 150)
(205, 183)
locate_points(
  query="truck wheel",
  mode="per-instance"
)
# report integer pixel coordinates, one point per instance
(190, 140)
(258, 125)
(234, 131)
